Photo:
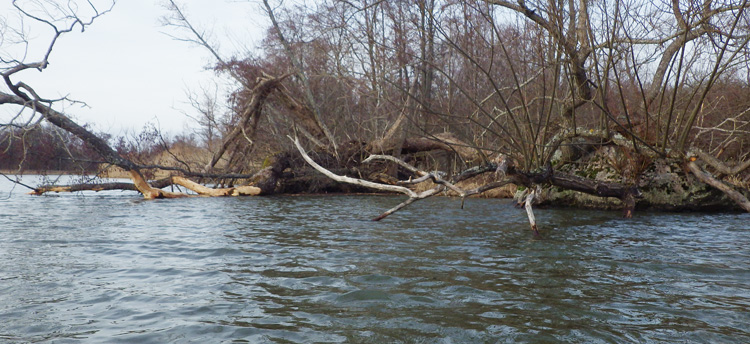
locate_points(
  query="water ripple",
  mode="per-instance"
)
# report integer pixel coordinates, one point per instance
(109, 269)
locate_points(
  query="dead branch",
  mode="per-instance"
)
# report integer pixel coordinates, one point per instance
(250, 116)
(626, 193)
(200, 190)
(122, 186)
(98, 144)
(245, 190)
(718, 165)
(506, 172)
(413, 196)
(350, 180)
(707, 178)
(422, 195)
(262, 183)
(441, 184)
(530, 198)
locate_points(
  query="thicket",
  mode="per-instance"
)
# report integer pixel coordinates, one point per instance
(44, 148)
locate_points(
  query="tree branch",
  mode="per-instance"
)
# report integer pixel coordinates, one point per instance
(707, 178)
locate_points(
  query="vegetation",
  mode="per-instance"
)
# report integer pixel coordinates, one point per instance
(43, 148)
(639, 103)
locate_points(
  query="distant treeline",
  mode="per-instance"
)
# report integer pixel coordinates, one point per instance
(44, 148)
(48, 148)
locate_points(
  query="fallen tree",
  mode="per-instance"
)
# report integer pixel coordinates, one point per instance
(40, 108)
(505, 171)
(25, 96)
(263, 182)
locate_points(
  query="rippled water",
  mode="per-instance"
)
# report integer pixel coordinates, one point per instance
(109, 267)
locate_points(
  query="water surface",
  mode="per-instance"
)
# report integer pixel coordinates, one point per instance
(110, 267)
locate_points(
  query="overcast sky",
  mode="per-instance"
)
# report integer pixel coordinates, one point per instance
(130, 73)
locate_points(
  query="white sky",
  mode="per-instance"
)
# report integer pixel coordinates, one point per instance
(130, 73)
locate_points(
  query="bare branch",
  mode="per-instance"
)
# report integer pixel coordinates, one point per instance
(301, 73)
(350, 180)
(707, 178)
(530, 198)
(717, 164)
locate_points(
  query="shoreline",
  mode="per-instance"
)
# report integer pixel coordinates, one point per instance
(564, 200)
(38, 173)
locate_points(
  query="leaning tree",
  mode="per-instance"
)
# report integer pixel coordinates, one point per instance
(32, 109)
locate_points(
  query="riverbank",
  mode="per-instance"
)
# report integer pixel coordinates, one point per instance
(664, 188)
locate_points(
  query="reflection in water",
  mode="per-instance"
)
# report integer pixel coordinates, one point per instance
(105, 268)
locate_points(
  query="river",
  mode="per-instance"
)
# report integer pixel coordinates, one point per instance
(111, 268)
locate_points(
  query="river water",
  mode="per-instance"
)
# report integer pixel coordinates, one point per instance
(110, 268)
